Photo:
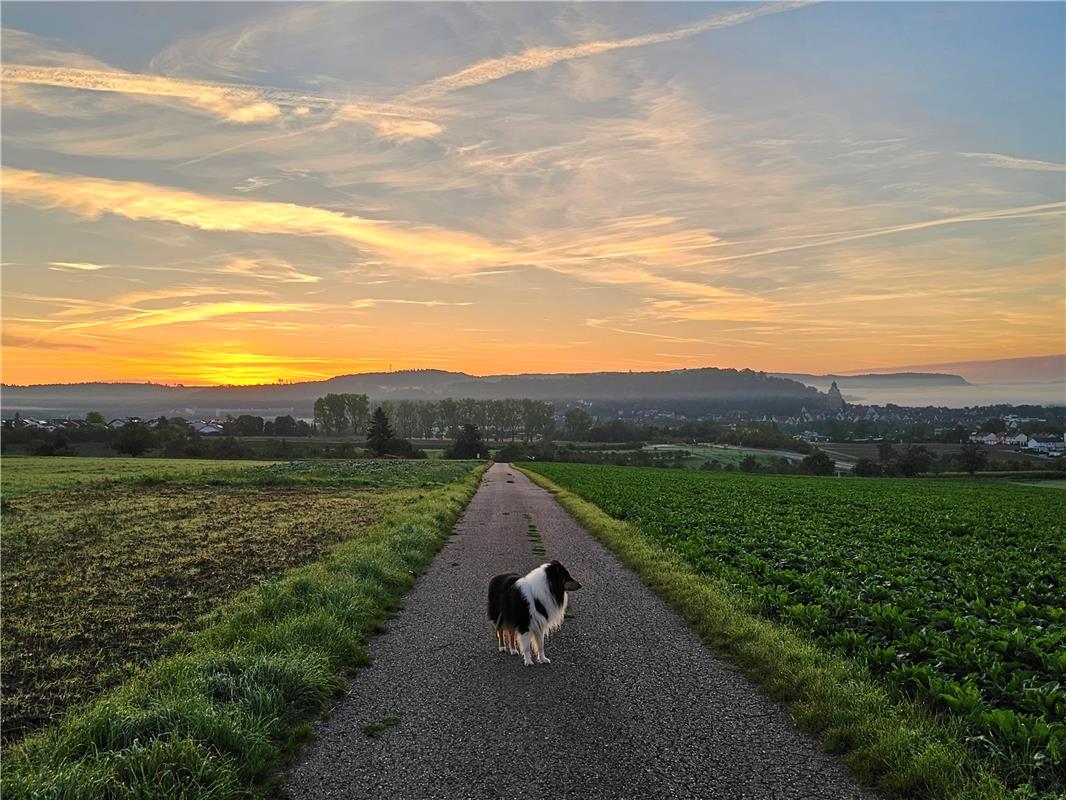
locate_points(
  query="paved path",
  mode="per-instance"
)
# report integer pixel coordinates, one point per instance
(632, 705)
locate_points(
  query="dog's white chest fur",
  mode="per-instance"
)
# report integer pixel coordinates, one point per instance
(534, 588)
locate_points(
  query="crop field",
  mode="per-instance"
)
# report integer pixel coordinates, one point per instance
(102, 577)
(949, 592)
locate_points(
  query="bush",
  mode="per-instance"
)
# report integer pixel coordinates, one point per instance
(468, 444)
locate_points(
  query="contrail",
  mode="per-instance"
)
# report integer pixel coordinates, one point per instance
(535, 58)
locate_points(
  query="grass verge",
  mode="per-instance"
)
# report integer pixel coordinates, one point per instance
(219, 719)
(895, 746)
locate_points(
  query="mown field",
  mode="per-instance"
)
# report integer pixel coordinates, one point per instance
(107, 563)
(724, 454)
(949, 592)
(857, 450)
(21, 475)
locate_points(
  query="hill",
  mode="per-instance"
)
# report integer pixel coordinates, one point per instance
(895, 380)
(719, 388)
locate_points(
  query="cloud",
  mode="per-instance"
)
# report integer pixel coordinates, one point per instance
(270, 269)
(1011, 162)
(535, 58)
(231, 103)
(17, 340)
(371, 303)
(428, 248)
(236, 103)
(601, 324)
(993, 215)
(78, 265)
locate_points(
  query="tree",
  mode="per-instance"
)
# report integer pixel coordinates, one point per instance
(406, 416)
(448, 411)
(95, 418)
(994, 425)
(749, 463)
(886, 452)
(467, 444)
(379, 434)
(356, 411)
(972, 457)
(284, 426)
(133, 439)
(865, 468)
(818, 463)
(577, 423)
(248, 425)
(914, 460)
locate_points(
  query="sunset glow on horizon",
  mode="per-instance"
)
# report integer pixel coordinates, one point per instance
(251, 192)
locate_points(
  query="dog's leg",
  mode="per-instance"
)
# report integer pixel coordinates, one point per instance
(524, 645)
(538, 640)
(500, 634)
(512, 642)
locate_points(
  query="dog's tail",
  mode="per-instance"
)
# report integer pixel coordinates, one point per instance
(497, 587)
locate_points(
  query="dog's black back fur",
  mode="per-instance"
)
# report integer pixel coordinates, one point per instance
(514, 610)
(498, 587)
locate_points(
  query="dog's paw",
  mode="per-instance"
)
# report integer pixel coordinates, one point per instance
(544, 660)
(528, 662)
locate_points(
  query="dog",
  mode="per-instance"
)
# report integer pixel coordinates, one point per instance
(524, 610)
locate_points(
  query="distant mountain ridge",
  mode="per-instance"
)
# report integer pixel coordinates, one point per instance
(719, 386)
(876, 380)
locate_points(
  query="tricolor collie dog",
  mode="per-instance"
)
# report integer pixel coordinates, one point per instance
(526, 609)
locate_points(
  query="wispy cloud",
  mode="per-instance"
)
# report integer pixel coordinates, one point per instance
(86, 266)
(231, 103)
(235, 103)
(371, 303)
(425, 247)
(536, 58)
(270, 269)
(604, 325)
(1012, 162)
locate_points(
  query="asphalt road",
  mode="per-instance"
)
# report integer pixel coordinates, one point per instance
(631, 706)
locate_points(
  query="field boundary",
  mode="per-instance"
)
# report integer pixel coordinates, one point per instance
(895, 746)
(225, 715)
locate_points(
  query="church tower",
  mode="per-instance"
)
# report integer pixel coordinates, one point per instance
(835, 400)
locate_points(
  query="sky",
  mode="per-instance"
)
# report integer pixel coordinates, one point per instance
(209, 193)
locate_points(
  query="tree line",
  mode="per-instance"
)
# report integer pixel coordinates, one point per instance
(350, 414)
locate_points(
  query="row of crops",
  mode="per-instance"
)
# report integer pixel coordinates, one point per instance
(951, 592)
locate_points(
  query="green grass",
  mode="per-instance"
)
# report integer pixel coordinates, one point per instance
(374, 729)
(220, 714)
(901, 745)
(20, 475)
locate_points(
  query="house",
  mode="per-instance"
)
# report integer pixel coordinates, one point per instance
(207, 428)
(1017, 440)
(984, 438)
(1052, 445)
(123, 422)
